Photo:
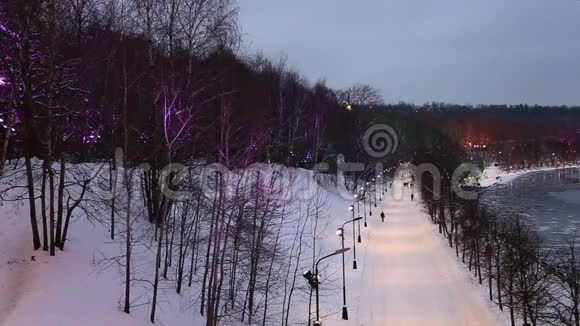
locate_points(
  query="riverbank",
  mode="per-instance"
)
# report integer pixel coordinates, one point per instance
(494, 175)
(546, 200)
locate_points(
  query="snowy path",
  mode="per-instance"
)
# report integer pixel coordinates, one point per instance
(407, 276)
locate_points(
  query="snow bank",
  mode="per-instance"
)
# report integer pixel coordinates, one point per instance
(494, 175)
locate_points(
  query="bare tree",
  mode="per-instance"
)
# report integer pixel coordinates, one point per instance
(361, 94)
(79, 12)
(566, 299)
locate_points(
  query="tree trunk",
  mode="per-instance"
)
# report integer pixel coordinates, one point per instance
(60, 207)
(157, 266)
(32, 203)
(498, 278)
(207, 256)
(490, 273)
(43, 208)
(128, 227)
(51, 207)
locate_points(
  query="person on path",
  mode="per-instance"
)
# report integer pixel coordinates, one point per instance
(383, 216)
(412, 197)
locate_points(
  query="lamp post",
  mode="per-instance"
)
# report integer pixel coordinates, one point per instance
(375, 191)
(354, 265)
(370, 199)
(381, 184)
(370, 205)
(314, 280)
(364, 207)
(375, 194)
(359, 239)
(340, 233)
(358, 199)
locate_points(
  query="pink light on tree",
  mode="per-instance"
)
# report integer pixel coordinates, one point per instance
(92, 137)
(253, 145)
(7, 31)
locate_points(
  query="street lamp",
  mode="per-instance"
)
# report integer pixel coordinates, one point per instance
(340, 233)
(314, 280)
(370, 201)
(365, 209)
(375, 194)
(351, 208)
(370, 204)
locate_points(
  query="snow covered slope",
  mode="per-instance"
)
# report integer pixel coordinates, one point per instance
(407, 275)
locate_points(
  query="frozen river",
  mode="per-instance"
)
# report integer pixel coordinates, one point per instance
(548, 201)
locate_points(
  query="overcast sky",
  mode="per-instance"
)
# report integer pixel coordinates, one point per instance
(458, 51)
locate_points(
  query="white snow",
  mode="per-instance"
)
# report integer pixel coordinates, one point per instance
(493, 175)
(407, 276)
(80, 286)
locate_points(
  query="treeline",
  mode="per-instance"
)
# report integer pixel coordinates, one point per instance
(515, 137)
(129, 88)
(161, 67)
(159, 79)
(519, 135)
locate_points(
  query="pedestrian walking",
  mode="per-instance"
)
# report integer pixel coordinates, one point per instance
(383, 216)
(412, 197)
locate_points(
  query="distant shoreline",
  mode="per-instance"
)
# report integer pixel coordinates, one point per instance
(507, 178)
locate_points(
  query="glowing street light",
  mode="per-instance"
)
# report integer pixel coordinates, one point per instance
(314, 280)
(341, 235)
(351, 208)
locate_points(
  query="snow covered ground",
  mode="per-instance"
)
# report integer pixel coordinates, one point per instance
(493, 175)
(72, 288)
(407, 276)
(83, 285)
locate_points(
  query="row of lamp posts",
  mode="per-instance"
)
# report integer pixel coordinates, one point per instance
(314, 279)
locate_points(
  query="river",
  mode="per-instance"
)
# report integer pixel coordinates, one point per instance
(548, 201)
